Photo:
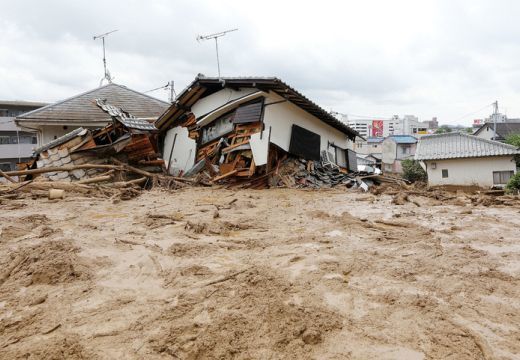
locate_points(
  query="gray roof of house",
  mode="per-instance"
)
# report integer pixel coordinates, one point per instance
(82, 109)
(503, 129)
(204, 86)
(460, 145)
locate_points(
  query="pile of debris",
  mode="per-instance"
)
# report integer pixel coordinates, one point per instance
(123, 154)
(299, 173)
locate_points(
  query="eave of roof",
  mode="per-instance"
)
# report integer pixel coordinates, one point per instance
(207, 85)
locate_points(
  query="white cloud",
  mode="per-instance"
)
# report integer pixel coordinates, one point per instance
(430, 58)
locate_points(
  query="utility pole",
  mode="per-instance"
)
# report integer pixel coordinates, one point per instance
(107, 73)
(215, 36)
(495, 115)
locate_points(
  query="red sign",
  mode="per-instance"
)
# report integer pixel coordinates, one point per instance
(377, 128)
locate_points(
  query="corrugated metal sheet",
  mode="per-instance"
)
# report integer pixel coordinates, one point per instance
(459, 145)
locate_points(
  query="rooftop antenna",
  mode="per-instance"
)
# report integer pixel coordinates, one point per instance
(215, 36)
(107, 73)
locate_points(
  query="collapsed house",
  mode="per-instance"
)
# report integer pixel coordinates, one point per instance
(126, 138)
(244, 128)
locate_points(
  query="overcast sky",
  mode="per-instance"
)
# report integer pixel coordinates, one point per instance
(443, 58)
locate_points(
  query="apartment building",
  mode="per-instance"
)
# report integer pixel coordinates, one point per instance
(15, 145)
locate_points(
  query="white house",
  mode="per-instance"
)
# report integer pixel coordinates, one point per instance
(466, 160)
(503, 130)
(285, 118)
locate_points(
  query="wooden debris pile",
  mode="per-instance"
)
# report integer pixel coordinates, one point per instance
(121, 155)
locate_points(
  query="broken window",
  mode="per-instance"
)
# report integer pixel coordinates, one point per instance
(502, 177)
(305, 143)
(444, 173)
(218, 128)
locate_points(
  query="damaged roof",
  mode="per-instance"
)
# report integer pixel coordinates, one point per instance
(82, 109)
(204, 86)
(460, 145)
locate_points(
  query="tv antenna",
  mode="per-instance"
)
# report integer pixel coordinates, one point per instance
(215, 36)
(107, 73)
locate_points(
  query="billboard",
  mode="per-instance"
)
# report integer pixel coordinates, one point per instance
(377, 128)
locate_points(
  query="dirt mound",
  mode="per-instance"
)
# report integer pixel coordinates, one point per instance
(50, 262)
(18, 227)
(59, 348)
(259, 320)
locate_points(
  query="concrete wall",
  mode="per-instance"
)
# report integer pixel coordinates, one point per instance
(468, 171)
(280, 117)
(389, 151)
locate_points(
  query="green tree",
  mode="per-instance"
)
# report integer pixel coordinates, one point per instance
(513, 139)
(413, 171)
(513, 185)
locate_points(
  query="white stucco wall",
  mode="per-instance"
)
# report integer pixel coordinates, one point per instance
(183, 154)
(50, 132)
(486, 133)
(280, 117)
(468, 171)
(213, 101)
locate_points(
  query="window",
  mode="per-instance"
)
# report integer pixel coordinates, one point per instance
(405, 149)
(444, 173)
(502, 177)
(5, 167)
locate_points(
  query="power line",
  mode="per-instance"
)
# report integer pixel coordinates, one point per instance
(159, 88)
(473, 113)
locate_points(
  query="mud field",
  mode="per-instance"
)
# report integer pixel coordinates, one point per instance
(272, 274)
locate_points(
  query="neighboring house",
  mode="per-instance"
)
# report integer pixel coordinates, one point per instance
(372, 145)
(58, 119)
(15, 145)
(466, 160)
(397, 148)
(216, 108)
(503, 129)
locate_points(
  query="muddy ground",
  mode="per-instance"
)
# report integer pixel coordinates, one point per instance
(272, 274)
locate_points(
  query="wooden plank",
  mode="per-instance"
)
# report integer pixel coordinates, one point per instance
(224, 176)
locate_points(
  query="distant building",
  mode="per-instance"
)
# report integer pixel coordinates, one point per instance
(15, 145)
(407, 125)
(372, 145)
(60, 118)
(503, 130)
(466, 160)
(397, 148)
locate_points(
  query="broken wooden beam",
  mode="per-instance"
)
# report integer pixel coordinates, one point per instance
(61, 168)
(7, 177)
